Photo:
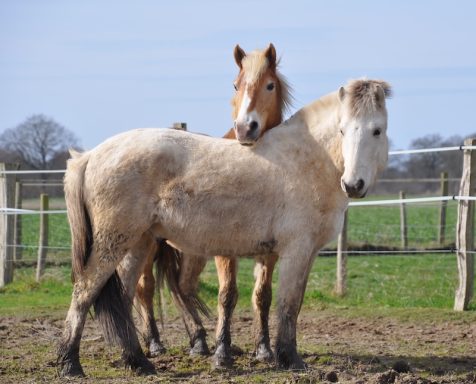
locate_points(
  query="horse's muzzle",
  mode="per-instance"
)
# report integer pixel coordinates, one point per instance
(354, 190)
(247, 133)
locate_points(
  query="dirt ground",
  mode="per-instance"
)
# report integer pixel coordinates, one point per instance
(337, 347)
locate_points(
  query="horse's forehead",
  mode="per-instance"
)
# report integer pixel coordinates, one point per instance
(255, 71)
(367, 119)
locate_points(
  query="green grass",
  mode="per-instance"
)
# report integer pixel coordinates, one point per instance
(380, 225)
(26, 296)
(59, 237)
(423, 281)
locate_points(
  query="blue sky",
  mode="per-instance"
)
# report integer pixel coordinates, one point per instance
(103, 67)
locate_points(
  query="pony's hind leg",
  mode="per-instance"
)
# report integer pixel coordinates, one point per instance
(190, 269)
(262, 296)
(145, 296)
(68, 349)
(227, 298)
(181, 273)
(98, 285)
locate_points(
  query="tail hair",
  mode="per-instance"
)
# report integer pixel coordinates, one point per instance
(167, 265)
(78, 217)
(112, 308)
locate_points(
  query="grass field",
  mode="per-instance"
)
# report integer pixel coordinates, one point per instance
(425, 281)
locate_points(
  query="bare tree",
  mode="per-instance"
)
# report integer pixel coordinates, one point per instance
(37, 141)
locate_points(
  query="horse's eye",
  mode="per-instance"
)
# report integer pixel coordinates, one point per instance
(341, 132)
(270, 86)
(235, 86)
(377, 132)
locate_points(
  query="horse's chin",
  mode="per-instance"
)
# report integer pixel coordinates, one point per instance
(247, 142)
(356, 195)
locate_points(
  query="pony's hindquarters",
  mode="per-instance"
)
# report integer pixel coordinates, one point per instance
(95, 282)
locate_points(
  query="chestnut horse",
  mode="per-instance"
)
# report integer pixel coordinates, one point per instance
(284, 196)
(261, 98)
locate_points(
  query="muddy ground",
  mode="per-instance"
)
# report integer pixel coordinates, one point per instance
(337, 346)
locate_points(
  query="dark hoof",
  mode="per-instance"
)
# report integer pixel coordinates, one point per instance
(68, 364)
(156, 349)
(289, 359)
(200, 348)
(264, 353)
(222, 358)
(145, 370)
(140, 365)
(70, 369)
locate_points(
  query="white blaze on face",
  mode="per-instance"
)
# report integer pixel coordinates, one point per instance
(355, 153)
(365, 154)
(245, 117)
(242, 113)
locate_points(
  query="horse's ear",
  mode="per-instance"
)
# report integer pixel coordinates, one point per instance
(74, 153)
(341, 94)
(271, 55)
(380, 96)
(239, 55)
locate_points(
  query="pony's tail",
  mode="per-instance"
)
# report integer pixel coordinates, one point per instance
(112, 305)
(112, 308)
(78, 217)
(167, 265)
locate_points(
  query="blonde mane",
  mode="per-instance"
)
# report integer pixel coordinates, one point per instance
(255, 65)
(363, 95)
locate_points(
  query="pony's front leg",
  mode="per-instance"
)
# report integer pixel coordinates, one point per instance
(262, 296)
(294, 269)
(227, 298)
(190, 268)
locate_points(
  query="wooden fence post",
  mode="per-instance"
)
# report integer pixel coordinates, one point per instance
(43, 241)
(7, 188)
(403, 222)
(464, 230)
(341, 276)
(17, 250)
(180, 126)
(443, 192)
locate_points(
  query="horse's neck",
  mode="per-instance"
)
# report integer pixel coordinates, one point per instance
(321, 118)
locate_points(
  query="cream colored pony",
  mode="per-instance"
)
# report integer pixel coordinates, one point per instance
(284, 196)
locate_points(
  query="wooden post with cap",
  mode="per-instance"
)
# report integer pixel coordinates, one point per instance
(7, 200)
(465, 230)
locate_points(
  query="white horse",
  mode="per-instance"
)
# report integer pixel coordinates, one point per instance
(284, 196)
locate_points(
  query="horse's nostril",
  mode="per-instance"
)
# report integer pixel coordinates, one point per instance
(360, 185)
(253, 125)
(347, 187)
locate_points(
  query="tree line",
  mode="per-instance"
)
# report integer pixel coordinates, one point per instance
(38, 143)
(425, 166)
(41, 143)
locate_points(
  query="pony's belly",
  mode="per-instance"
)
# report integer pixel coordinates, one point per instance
(212, 242)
